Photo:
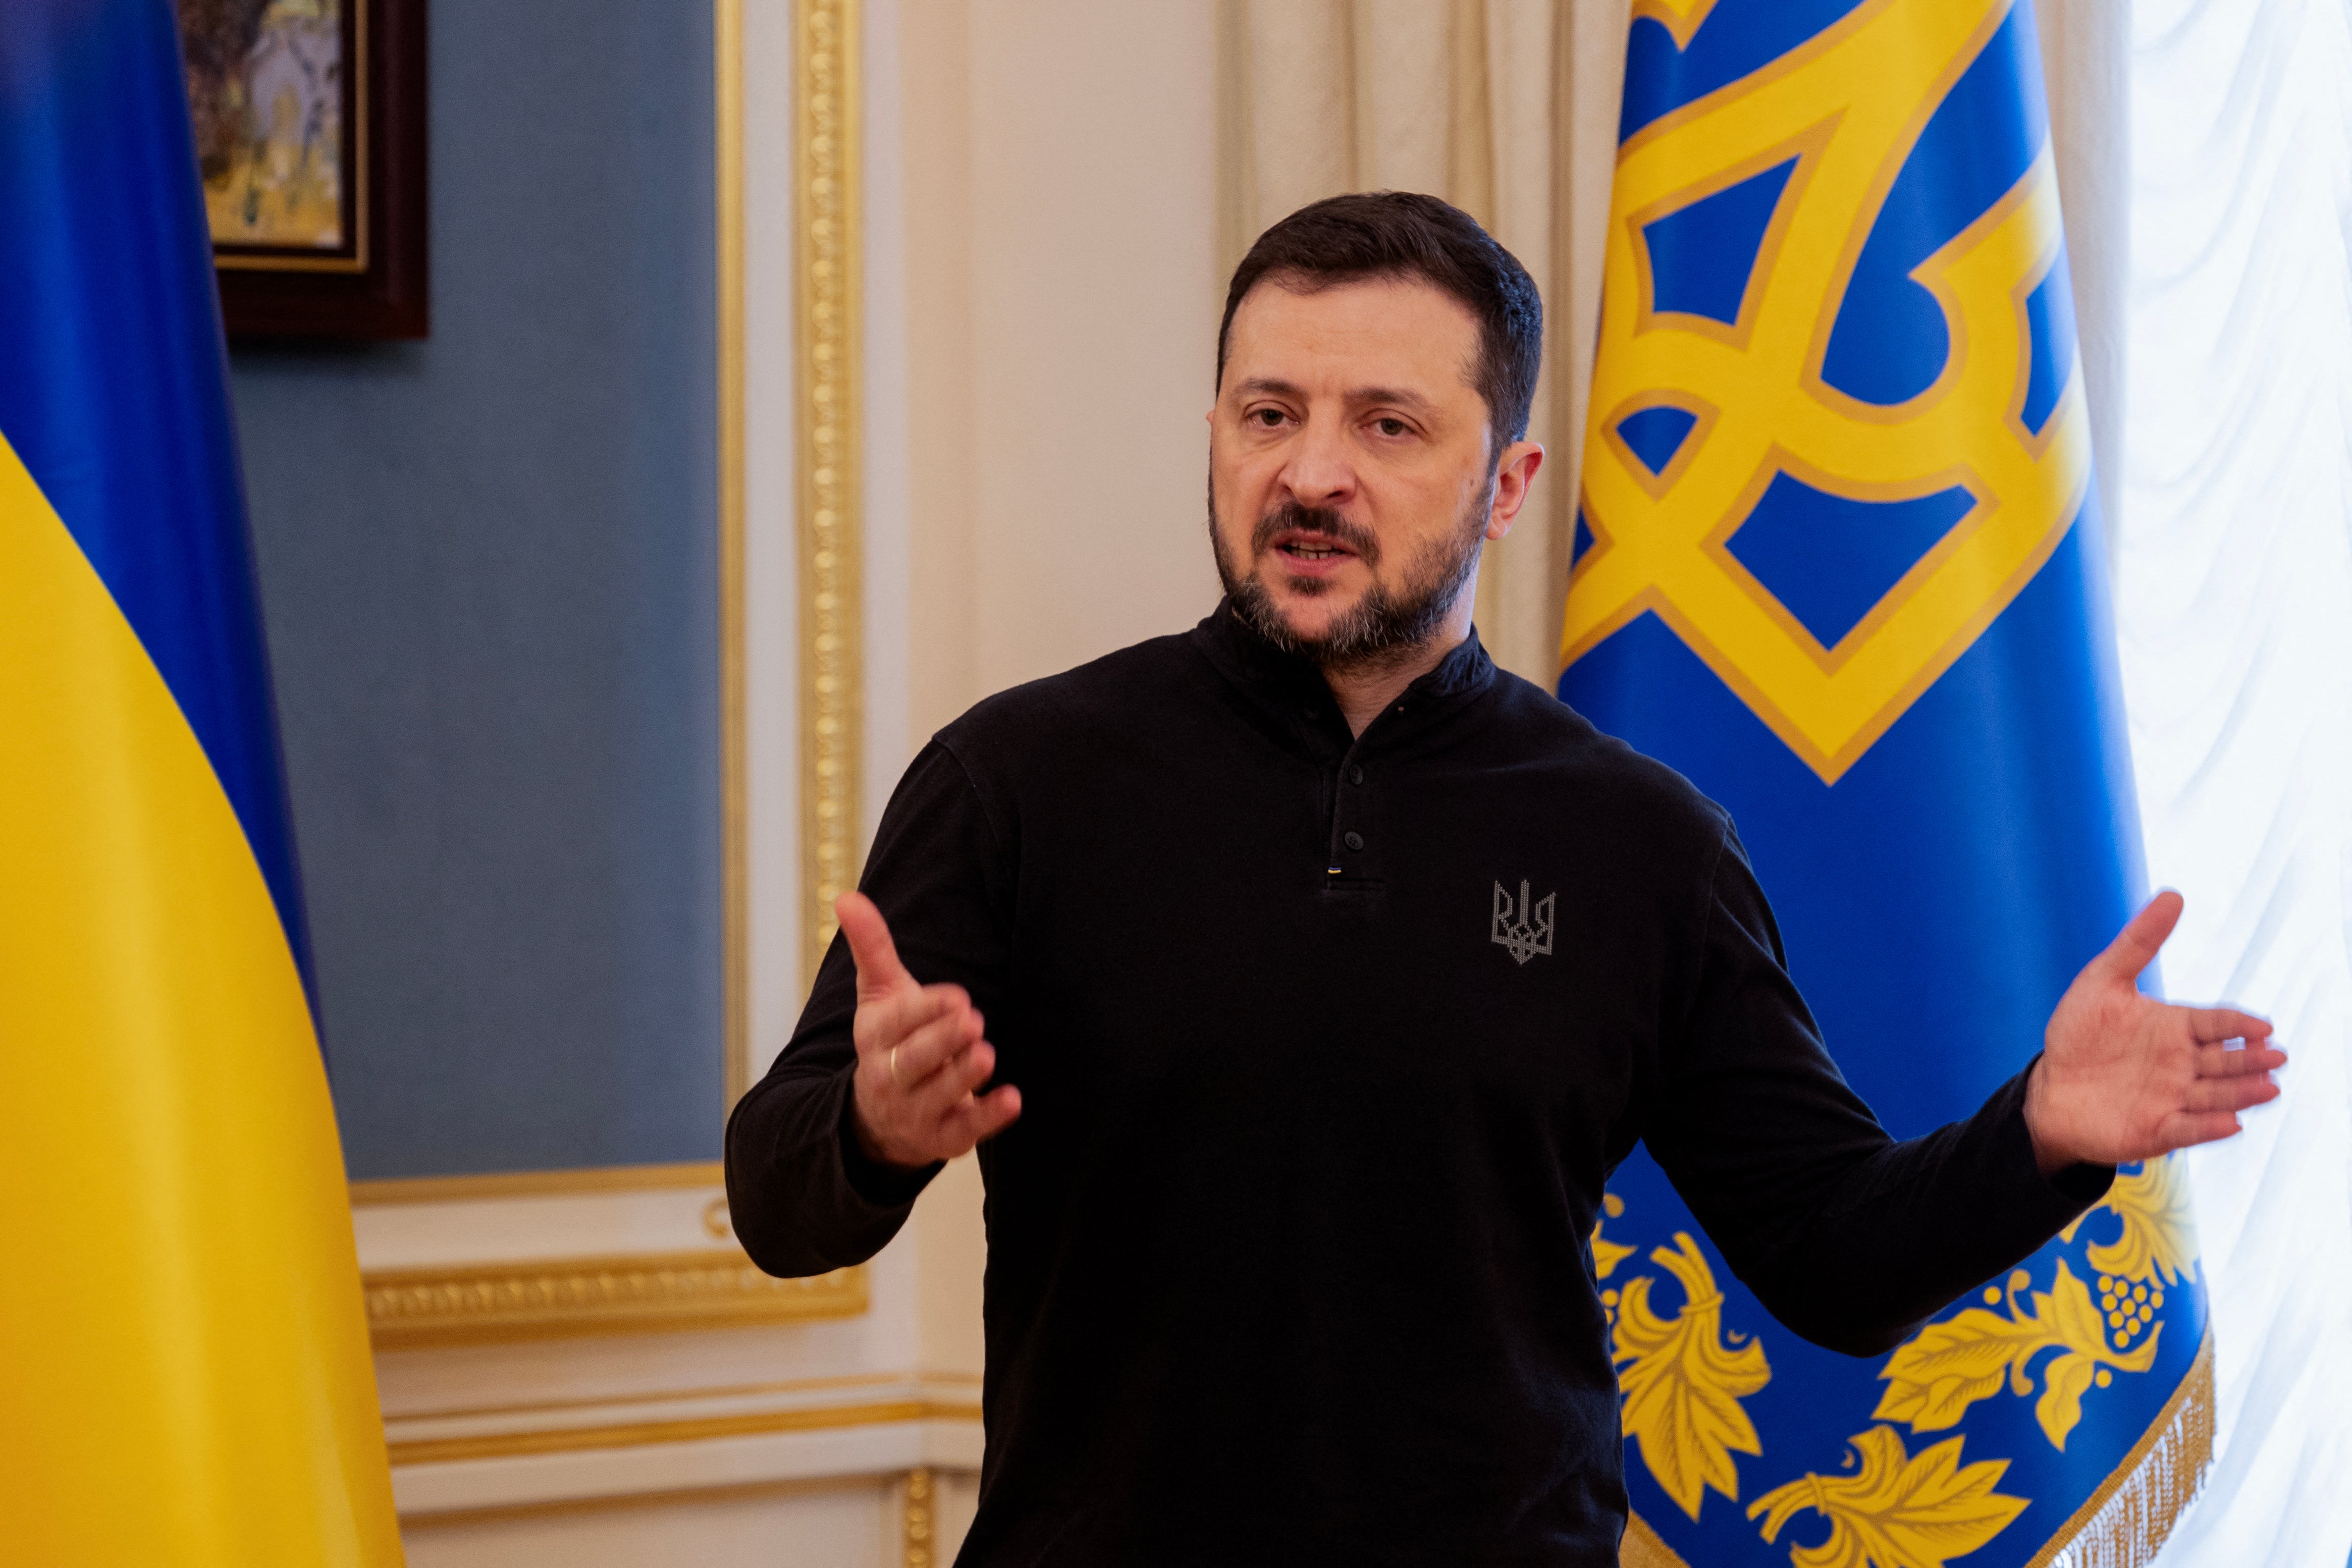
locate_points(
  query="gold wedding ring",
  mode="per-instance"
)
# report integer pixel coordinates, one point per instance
(894, 1068)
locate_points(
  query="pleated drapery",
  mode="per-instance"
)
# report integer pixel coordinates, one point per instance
(2235, 620)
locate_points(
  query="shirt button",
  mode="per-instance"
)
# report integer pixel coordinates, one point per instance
(1354, 841)
(1355, 776)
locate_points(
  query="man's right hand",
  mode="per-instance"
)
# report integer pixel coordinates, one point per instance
(920, 1055)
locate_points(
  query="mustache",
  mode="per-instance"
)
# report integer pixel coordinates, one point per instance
(1315, 520)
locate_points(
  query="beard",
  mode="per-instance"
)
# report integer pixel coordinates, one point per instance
(1386, 625)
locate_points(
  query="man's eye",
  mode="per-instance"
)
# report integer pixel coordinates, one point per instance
(1392, 426)
(1268, 417)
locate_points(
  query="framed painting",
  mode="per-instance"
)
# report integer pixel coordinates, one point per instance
(309, 120)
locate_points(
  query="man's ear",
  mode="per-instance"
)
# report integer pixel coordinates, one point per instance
(1512, 477)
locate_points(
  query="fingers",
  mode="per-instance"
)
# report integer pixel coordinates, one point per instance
(939, 1117)
(2226, 1023)
(890, 1021)
(2219, 1062)
(2230, 1093)
(918, 1031)
(879, 970)
(2135, 948)
(981, 1118)
(2186, 1128)
(937, 1096)
(921, 1053)
(938, 1071)
(916, 1085)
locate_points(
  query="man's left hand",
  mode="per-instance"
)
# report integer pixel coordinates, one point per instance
(2126, 1077)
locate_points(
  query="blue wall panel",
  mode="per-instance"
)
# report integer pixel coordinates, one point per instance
(489, 564)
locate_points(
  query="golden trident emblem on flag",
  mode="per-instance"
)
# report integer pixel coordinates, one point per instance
(1846, 106)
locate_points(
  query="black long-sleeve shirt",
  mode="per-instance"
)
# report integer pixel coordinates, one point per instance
(1288, 1253)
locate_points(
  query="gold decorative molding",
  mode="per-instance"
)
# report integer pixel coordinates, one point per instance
(616, 1502)
(918, 1529)
(409, 1309)
(830, 260)
(937, 1384)
(537, 1184)
(734, 863)
(643, 1434)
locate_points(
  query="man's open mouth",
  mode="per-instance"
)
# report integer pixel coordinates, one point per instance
(1311, 547)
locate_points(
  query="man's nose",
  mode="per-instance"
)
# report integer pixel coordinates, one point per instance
(1319, 471)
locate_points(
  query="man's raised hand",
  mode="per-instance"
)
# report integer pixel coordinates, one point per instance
(2126, 1077)
(920, 1055)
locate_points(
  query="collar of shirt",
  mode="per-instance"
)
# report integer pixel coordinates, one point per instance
(1292, 689)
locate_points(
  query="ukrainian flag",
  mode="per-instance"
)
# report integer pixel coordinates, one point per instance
(184, 1360)
(1840, 563)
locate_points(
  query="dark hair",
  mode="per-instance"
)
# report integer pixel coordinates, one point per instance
(1399, 233)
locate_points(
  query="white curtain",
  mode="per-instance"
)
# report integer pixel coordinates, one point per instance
(2234, 609)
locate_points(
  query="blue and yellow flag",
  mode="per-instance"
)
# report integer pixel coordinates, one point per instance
(184, 1358)
(1840, 563)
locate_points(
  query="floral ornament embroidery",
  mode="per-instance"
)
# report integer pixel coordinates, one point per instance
(1683, 1384)
(1898, 1511)
(1933, 1378)
(2158, 1242)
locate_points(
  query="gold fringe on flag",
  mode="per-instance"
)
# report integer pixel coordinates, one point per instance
(2125, 1522)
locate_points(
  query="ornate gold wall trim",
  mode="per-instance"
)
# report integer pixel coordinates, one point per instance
(636, 1435)
(917, 1526)
(836, 1383)
(613, 1502)
(830, 262)
(538, 1184)
(410, 1308)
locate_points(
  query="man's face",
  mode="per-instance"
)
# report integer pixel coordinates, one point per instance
(1351, 485)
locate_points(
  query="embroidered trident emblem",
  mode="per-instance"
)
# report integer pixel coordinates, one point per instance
(1523, 930)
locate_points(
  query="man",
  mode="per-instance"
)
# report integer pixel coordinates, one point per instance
(1290, 1165)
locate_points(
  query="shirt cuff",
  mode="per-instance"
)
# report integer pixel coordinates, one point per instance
(2081, 1184)
(875, 1183)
